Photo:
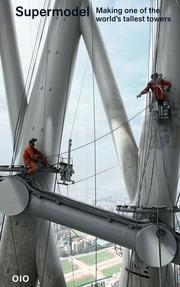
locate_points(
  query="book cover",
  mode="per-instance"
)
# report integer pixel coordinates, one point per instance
(86, 197)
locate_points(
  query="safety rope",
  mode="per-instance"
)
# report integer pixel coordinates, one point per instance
(78, 101)
(46, 82)
(103, 136)
(159, 250)
(159, 6)
(48, 234)
(148, 123)
(80, 237)
(30, 26)
(165, 172)
(71, 254)
(70, 244)
(174, 265)
(145, 140)
(154, 135)
(145, 148)
(94, 130)
(152, 174)
(47, 241)
(15, 249)
(45, 254)
(97, 173)
(2, 225)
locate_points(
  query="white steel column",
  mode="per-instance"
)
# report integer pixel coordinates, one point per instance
(44, 120)
(11, 65)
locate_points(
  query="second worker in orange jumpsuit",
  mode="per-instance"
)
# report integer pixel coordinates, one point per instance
(32, 157)
(158, 86)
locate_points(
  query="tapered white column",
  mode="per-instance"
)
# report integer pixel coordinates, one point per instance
(11, 67)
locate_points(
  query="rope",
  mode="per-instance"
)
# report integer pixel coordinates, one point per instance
(2, 226)
(107, 134)
(98, 173)
(141, 183)
(30, 26)
(45, 257)
(158, 34)
(146, 140)
(145, 151)
(103, 136)
(94, 132)
(15, 251)
(159, 247)
(150, 186)
(80, 93)
(153, 163)
(45, 89)
(47, 241)
(145, 148)
(72, 264)
(83, 239)
(174, 265)
(165, 173)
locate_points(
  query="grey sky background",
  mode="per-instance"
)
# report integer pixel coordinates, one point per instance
(127, 45)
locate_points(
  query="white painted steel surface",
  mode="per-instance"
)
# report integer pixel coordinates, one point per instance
(156, 247)
(11, 66)
(14, 196)
(90, 223)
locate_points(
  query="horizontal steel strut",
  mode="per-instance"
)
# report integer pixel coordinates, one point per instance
(18, 195)
(21, 168)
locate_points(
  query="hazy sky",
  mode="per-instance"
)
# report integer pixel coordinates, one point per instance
(127, 45)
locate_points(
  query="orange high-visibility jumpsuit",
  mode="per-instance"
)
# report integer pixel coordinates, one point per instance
(31, 157)
(158, 89)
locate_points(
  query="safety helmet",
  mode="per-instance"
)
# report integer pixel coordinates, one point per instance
(32, 140)
(155, 75)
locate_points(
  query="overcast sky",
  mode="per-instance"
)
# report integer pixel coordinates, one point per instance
(127, 45)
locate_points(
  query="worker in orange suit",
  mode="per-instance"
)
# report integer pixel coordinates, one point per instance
(33, 157)
(158, 86)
